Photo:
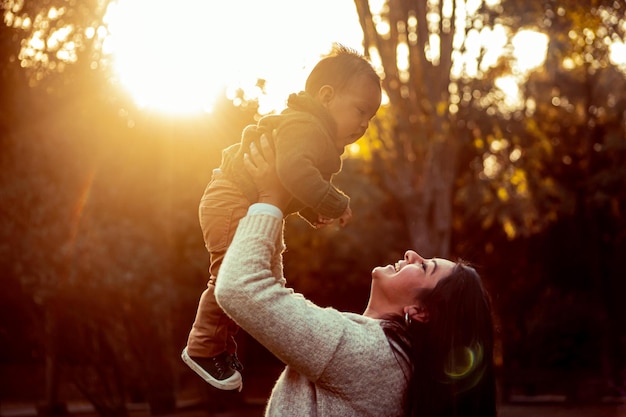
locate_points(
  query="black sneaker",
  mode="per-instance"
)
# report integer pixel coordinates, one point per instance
(234, 362)
(221, 371)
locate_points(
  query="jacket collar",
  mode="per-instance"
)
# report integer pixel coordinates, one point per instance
(303, 101)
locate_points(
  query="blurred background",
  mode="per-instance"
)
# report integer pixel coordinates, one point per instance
(501, 141)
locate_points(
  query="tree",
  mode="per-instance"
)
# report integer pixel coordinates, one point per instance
(557, 170)
(416, 148)
(514, 175)
(52, 36)
(71, 171)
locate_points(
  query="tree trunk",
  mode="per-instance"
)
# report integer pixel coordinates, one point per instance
(417, 157)
(51, 405)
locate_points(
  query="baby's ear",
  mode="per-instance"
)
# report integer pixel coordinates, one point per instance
(417, 313)
(325, 94)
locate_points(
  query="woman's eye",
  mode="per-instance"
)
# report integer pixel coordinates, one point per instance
(424, 266)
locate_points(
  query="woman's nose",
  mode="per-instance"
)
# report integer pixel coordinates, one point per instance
(411, 256)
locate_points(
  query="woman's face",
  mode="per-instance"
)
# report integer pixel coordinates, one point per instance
(396, 286)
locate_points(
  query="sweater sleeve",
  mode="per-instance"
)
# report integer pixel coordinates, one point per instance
(301, 149)
(251, 291)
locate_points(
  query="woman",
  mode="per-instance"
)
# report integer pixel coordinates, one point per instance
(423, 346)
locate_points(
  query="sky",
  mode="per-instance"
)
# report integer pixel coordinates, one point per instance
(180, 60)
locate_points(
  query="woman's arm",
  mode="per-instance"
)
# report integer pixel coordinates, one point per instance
(298, 332)
(251, 289)
(263, 171)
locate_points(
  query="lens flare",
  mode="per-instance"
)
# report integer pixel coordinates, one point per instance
(465, 366)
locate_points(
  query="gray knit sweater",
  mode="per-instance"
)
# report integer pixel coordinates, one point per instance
(338, 364)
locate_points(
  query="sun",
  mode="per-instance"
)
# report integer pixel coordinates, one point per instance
(178, 57)
(162, 55)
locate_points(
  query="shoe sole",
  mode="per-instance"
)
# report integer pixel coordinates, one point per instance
(233, 382)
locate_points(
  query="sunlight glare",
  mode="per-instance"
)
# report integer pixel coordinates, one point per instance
(493, 40)
(530, 49)
(159, 55)
(178, 57)
(509, 85)
(617, 53)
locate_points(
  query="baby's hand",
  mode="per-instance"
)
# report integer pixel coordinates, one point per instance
(322, 221)
(345, 217)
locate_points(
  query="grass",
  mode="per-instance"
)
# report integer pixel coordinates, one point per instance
(509, 410)
(505, 410)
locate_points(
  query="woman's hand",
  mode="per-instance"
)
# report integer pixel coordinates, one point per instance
(261, 164)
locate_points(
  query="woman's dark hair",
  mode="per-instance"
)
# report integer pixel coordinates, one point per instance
(338, 68)
(452, 353)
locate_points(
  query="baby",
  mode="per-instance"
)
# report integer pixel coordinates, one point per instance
(342, 94)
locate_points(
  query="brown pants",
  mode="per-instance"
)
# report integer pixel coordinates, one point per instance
(221, 208)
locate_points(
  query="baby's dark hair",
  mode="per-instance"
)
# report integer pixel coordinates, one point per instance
(338, 68)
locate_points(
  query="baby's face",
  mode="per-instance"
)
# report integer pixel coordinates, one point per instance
(353, 108)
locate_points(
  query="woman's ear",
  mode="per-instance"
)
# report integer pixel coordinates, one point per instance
(325, 94)
(417, 313)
